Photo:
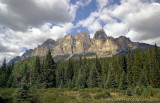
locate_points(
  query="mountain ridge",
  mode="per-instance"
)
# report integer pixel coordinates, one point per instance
(101, 45)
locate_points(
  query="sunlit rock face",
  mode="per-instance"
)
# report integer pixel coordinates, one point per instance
(101, 44)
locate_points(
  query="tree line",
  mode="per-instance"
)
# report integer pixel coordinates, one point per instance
(139, 68)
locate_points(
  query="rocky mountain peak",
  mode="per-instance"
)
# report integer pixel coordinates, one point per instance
(49, 43)
(69, 36)
(81, 43)
(100, 34)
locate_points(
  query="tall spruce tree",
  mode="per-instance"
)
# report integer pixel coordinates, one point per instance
(98, 66)
(137, 67)
(142, 81)
(123, 82)
(69, 70)
(80, 82)
(157, 56)
(124, 63)
(49, 71)
(92, 79)
(111, 81)
(36, 73)
(3, 74)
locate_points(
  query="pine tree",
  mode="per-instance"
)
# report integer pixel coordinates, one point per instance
(98, 66)
(124, 63)
(36, 73)
(49, 76)
(69, 71)
(123, 82)
(80, 82)
(111, 82)
(142, 81)
(3, 74)
(137, 67)
(157, 56)
(92, 79)
(60, 77)
(156, 69)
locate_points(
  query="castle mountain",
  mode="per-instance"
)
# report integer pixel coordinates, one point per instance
(72, 46)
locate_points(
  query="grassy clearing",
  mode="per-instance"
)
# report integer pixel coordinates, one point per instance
(88, 95)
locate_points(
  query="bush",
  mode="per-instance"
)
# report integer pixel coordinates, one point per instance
(23, 93)
(128, 92)
(137, 90)
(85, 95)
(102, 95)
(151, 91)
(146, 93)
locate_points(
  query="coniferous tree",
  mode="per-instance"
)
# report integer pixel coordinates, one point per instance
(98, 66)
(60, 77)
(157, 56)
(49, 76)
(80, 82)
(137, 67)
(92, 79)
(36, 72)
(124, 82)
(3, 74)
(69, 71)
(156, 69)
(124, 63)
(111, 82)
(142, 81)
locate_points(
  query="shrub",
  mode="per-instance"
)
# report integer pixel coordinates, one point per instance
(151, 91)
(137, 90)
(85, 95)
(128, 92)
(23, 93)
(145, 93)
(102, 95)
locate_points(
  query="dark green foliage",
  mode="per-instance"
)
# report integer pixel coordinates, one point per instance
(137, 67)
(80, 83)
(36, 74)
(49, 68)
(124, 82)
(157, 56)
(142, 81)
(69, 71)
(111, 82)
(92, 79)
(128, 92)
(98, 66)
(140, 68)
(137, 90)
(23, 93)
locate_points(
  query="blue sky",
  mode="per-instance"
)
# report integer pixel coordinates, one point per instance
(28, 23)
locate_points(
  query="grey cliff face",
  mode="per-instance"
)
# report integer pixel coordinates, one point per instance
(101, 44)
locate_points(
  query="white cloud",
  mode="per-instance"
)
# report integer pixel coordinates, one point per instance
(19, 15)
(138, 20)
(26, 24)
(116, 29)
(12, 42)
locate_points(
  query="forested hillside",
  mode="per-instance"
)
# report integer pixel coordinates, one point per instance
(140, 69)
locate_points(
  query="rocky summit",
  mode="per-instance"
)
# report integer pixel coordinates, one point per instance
(81, 44)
